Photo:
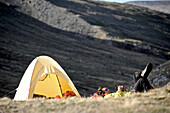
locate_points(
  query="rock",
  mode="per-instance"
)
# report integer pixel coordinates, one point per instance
(160, 76)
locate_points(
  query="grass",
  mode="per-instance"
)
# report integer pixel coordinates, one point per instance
(155, 101)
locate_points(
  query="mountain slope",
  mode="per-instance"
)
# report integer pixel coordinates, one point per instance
(162, 6)
(89, 62)
(111, 21)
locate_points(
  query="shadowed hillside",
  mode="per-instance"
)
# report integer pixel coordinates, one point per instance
(89, 60)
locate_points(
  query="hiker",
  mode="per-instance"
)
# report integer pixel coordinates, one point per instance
(119, 93)
(101, 92)
(141, 83)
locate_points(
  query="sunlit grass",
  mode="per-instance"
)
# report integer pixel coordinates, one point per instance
(154, 101)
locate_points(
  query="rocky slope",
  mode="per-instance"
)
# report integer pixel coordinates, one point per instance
(162, 6)
(160, 76)
(134, 36)
(110, 21)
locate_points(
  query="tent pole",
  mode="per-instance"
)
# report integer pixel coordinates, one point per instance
(59, 85)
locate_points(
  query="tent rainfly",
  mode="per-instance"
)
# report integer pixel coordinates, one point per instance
(44, 77)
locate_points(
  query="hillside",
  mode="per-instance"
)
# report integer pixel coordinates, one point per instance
(97, 43)
(156, 101)
(124, 25)
(162, 6)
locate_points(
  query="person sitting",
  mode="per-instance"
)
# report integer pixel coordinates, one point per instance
(101, 92)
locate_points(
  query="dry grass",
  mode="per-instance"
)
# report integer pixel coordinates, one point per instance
(155, 101)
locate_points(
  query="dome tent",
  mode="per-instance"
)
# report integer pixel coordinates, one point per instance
(44, 76)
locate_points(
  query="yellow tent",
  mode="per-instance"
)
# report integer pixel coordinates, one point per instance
(44, 77)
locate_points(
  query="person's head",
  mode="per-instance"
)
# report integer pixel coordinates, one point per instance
(121, 88)
(103, 90)
(106, 90)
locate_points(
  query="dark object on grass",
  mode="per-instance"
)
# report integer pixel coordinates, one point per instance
(140, 79)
